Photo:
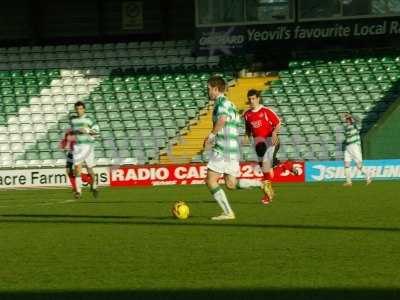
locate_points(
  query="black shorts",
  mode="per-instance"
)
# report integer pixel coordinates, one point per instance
(261, 148)
(70, 162)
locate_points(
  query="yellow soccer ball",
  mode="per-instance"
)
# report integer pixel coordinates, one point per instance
(180, 210)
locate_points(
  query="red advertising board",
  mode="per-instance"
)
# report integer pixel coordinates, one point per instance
(189, 174)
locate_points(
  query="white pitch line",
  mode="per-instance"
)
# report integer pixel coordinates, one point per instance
(68, 201)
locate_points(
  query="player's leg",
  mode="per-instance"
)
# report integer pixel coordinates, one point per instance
(359, 165)
(261, 150)
(69, 166)
(83, 153)
(71, 177)
(357, 157)
(232, 182)
(90, 163)
(232, 171)
(93, 183)
(219, 195)
(77, 155)
(347, 163)
(245, 183)
(267, 162)
(275, 160)
(78, 180)
(286, 165)
(86, 178)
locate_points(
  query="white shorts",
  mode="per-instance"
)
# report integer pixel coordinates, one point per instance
(219, 164)
(84, 153)
(353, 152)
(265, 151)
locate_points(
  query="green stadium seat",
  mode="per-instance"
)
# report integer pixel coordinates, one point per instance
(294, 129)
(332, 118)
(304, 119)
(340, 108)
(289, 119)
(348, 98)
(185, 94)
(299, 109)
(313, 109)
(307, 99)
(311, 91)
(191, 112)
(322, 128)
(124, 106)
(329, 89)
(307, 128)
(336, 98)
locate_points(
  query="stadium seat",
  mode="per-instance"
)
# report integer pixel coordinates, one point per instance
(328, 88)
(164, 92)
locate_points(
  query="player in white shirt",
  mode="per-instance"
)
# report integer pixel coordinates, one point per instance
(352, 148)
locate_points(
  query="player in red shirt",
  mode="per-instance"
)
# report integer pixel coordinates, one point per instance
(67, 144)
(263, 124)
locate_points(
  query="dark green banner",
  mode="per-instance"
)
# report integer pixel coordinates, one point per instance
(225, 39)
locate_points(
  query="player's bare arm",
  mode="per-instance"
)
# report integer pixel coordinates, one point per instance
(208, 142)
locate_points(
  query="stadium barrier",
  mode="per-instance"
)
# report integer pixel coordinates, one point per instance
(51, 177)
(387, 169)
(144, 175)
(188, 174)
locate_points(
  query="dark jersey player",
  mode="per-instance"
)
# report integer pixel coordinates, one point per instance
(263, 124)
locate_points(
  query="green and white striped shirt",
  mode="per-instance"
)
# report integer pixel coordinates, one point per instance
(351, 134)
(84, 122)
(227, 139)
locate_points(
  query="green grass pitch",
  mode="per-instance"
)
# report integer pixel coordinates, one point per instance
(315, 241)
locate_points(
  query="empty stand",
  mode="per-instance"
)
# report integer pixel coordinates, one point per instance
(312, 94)
(146, 95)
(142, 95)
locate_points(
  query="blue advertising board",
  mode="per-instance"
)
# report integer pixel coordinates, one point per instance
(387, 169)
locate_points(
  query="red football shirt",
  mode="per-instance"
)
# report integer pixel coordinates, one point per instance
(261, 122)
(68, 142)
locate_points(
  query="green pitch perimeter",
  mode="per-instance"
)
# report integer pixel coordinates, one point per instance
(315, 241)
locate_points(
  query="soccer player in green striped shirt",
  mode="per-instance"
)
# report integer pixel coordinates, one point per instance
(224, 142)
(352, 148)
(85, 130)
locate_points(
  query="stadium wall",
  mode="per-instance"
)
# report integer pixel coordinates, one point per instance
(382, 140)
(190, 174)
(44, 177)
(143, 175)
(25, 22)
(300, 36)
(15, 20)
(318, 171)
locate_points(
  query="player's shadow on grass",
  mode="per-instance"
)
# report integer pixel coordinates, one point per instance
(167, 220)
(197, 294)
